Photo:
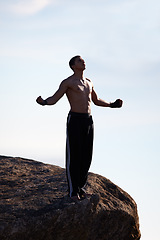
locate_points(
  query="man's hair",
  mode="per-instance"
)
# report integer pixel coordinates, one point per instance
(72, 61)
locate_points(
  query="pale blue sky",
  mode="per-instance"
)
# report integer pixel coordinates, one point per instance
(119, 41)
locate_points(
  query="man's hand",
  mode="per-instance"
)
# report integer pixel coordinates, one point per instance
(117, 104)
(40, 101)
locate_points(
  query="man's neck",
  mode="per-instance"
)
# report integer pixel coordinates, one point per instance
(78, 74)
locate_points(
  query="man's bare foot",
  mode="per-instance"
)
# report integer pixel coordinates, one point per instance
(83, 194)
(75, 198)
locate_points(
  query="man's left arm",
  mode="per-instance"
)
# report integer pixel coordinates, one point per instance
(99, 102)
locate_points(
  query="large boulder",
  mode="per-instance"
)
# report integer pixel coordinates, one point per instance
(34, 206)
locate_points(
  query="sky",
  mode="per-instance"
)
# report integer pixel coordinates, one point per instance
(119, 41)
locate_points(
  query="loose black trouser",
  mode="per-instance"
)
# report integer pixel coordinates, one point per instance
(79, 147)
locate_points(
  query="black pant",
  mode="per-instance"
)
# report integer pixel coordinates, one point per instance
(79, 147)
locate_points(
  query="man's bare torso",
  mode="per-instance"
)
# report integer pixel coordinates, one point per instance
(79, 91)
(79, 94)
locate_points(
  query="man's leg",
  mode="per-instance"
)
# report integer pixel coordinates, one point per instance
(73, 154)
(86, 152)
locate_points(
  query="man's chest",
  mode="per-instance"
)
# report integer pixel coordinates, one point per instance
(82, 87)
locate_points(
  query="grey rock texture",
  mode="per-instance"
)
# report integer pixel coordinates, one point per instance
(34, 206)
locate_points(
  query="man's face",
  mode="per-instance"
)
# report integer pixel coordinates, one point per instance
(79, 64)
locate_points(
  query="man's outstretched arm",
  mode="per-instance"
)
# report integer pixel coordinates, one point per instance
(99, 102)
(53, 99)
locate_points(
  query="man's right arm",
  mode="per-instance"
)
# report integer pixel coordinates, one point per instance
(53, 99)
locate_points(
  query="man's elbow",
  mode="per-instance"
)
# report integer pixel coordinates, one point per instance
(96, 102)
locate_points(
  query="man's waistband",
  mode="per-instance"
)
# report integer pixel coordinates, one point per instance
(80, 115)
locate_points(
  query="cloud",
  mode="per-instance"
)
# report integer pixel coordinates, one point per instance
(28, 7)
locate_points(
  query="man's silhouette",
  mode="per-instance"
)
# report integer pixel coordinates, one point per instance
(80, 93)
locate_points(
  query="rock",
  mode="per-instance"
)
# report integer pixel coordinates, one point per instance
(34, 206)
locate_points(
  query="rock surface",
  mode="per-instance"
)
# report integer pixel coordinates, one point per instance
(34, 206)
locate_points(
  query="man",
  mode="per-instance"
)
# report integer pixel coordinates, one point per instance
(80, 92)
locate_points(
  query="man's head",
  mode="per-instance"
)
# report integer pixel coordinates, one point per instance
(77, 63)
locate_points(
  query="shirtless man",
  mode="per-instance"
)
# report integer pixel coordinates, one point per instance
(80, 92)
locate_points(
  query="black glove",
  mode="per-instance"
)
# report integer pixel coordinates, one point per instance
(116, 104)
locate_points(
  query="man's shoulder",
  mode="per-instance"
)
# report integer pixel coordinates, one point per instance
(67, 80)
(89, 80)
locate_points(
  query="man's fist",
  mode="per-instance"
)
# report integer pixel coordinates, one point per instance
(117, 104)
(40, 101)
